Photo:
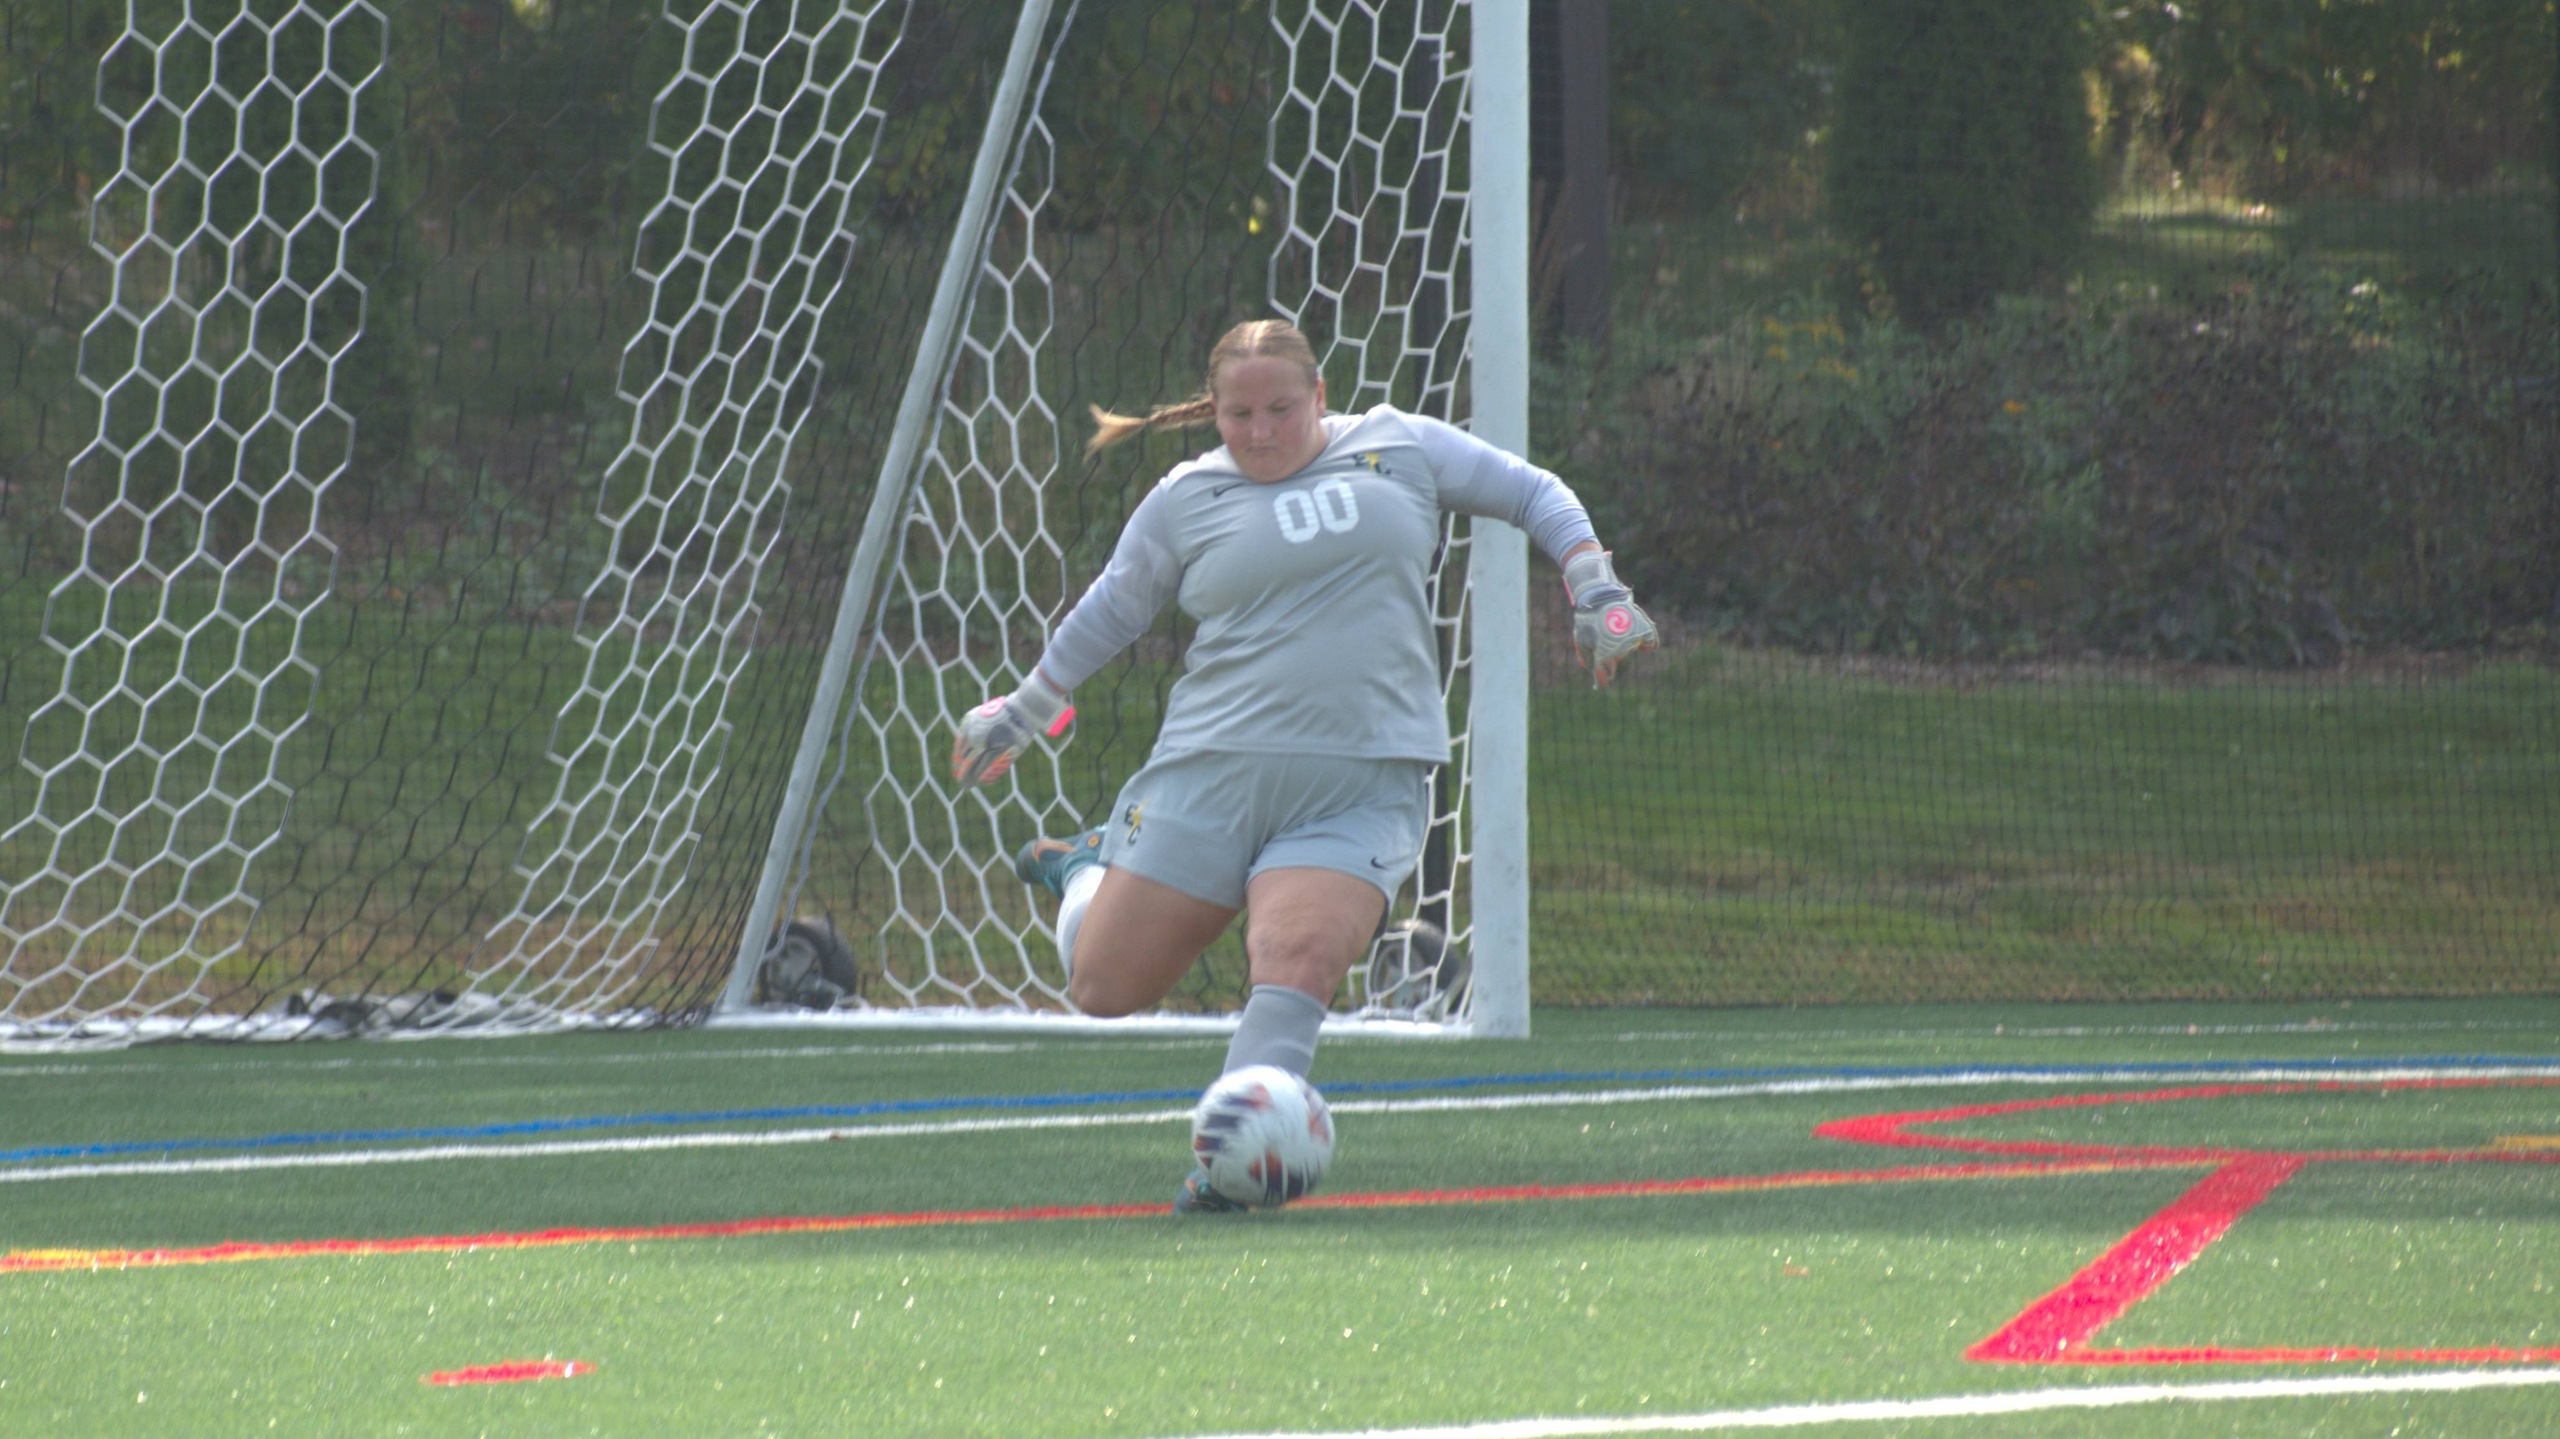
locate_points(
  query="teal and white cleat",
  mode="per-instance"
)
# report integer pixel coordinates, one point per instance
(1050, 863)
(1196, 1197)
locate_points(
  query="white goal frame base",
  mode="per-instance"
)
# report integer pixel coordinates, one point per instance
(945, 1019)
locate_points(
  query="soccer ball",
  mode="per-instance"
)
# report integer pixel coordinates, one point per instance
(1263, 1136)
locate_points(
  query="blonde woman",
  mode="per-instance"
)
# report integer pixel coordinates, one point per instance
(1290, 779)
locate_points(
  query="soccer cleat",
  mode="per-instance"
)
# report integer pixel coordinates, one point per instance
(1196, 1197)
(1050, 863)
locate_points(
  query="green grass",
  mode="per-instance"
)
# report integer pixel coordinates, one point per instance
(1307, 1320)
(1812, 833)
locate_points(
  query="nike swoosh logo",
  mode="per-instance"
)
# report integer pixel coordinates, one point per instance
(1380, 864)
(1222, 489)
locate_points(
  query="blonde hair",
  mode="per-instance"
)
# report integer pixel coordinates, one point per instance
(1252, 340)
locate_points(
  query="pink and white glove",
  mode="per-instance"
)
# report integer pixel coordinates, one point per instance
(1607, 625)
(991, 737)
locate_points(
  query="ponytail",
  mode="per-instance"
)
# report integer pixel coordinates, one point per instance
(1250, 340)
(1110, 429)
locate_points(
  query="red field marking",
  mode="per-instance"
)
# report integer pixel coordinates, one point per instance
(54, 1260)
(1726, 1184)
(26, 1260)
(513, 1372)
(2057, 1328)
(2063, 1322)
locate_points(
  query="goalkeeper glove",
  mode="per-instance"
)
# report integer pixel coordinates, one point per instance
(990, 737)
(1607, 625)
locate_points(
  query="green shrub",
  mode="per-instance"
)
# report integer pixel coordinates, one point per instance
(2279, 473)
(1960, 147)
(1708, 99)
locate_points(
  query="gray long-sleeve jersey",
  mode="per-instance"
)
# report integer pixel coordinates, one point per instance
(1314, 622)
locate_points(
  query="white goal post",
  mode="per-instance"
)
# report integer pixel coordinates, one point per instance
(515, 593)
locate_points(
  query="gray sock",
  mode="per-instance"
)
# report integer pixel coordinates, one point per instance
(1279, 1027)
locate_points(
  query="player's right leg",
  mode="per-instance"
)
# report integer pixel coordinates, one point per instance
(1137, 940)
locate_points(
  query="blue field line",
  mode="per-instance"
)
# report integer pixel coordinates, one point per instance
(1104, 1098)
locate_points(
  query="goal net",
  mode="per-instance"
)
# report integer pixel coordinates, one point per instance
(438, 435)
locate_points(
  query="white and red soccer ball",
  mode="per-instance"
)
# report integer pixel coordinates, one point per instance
(1263, 1135)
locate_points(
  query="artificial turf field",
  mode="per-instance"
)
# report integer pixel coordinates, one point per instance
(2337, 1219)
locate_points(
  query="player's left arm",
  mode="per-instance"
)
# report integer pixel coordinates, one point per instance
(1478, 478)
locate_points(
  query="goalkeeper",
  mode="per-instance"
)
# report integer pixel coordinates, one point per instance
(1290, 779)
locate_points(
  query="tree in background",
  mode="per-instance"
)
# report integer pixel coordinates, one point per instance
(2284, 100)
(1960, 157)
(1710, 98)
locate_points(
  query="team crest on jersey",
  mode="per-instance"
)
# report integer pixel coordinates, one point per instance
(1137, 817)
(1372, 460)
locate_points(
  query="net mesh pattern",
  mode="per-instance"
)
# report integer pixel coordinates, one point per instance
(765, 130)
(213, 362)
(460, 745)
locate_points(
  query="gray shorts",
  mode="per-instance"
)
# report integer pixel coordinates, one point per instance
(1206, 821)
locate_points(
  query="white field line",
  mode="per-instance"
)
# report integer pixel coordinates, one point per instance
(1854, 1084)
(1952, 1406)
(1428, 1104)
